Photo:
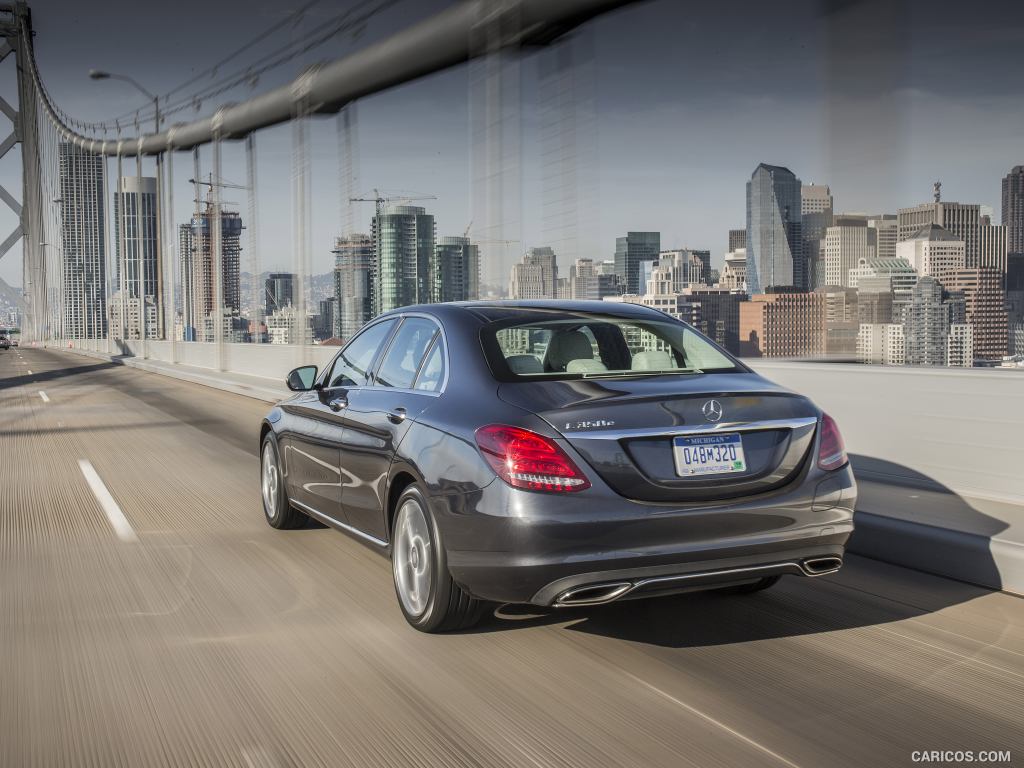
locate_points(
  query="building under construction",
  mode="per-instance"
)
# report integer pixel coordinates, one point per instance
(198, 291)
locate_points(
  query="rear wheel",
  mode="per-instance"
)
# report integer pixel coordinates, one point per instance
(755, 586)
(430, 600)
(278, 510)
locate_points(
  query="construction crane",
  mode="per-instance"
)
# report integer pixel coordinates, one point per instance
(466, 236)
(382, 200)
(211, 184)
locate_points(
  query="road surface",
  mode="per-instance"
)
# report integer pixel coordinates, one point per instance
(149, 616)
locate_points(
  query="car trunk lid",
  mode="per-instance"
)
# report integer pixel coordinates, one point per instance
(627, 430)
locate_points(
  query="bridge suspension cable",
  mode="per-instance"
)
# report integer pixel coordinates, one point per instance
(442, 41)
(106, 288)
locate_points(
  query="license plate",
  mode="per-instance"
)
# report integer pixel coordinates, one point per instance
(709, 455)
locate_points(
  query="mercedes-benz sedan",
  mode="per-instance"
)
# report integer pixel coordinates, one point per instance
(557, 454)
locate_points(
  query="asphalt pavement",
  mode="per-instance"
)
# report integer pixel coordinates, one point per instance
(149, 616)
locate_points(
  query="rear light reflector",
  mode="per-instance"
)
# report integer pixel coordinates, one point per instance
(524, 459)
(831, 450)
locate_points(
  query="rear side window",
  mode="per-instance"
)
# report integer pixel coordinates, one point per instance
(405, 354)
(432, 373)
(353, 364)
(583, 346)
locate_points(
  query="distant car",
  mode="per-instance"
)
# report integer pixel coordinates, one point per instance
(557, 454)
(14, 342)
(5, 343)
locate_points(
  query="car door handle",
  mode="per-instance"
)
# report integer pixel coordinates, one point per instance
(337, 403)
(397, 416)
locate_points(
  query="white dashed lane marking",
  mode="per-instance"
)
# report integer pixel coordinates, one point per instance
(118, 521)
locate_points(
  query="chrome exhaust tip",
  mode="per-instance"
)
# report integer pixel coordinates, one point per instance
(819, 566)
(593, 594)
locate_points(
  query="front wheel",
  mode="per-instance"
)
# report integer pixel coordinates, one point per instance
(278, 510)
(430, 600)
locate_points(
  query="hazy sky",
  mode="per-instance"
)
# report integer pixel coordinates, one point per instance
(673, 105)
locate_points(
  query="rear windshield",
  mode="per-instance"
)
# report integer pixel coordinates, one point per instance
(581, 346)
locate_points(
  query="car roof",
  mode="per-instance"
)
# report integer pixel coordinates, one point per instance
(493, 311)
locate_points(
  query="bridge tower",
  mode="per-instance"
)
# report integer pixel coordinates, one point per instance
(16, 34)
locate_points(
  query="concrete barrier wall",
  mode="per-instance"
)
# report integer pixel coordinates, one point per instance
(270, 361)
(961, 429)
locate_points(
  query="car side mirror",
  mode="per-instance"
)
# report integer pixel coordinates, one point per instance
(301, 379)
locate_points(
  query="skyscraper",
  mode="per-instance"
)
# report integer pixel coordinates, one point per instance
(81, 189)
(845, 245)
(1013, 209)
(198, 291)
(135, 250)
(719, 313)
(353, 283)
(841, 320)
(895, 277)
(933, 251)
(1015, 301)
(278, 291)
(886, 229)
(783, 324)
(992, 248)
(536, 276)
(816, 209)
(734, 273)
(881, 342)
(455, 270)
(737, 239)
(774, 230)
(403, 240)
(326, 319)
(687, 267)
(630, 250)
(583, 281)
(926, 324)
(962, 220)
(984, 309)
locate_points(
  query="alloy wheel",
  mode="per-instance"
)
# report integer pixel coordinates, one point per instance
(412, 558)
(270, 480)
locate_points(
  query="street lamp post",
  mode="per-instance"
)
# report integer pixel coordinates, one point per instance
(99, 74)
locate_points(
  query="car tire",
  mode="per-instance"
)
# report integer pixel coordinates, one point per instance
(277, 508)
(756, 586)
(429, 598)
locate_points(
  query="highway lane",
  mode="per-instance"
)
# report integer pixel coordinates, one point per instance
(210, 639)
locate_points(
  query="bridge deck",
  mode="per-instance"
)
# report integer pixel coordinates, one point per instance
(211, 639)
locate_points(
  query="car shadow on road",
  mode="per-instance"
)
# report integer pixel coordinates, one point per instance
(796, 606)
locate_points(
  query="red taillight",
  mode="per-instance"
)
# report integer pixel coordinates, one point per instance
(831, 451)
(524, 459)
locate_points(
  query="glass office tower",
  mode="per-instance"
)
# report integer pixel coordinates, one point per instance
(774, 230)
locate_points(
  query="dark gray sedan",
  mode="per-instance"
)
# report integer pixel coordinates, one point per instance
(557, 454)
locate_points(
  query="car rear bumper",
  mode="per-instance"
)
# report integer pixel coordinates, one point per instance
(519, 547)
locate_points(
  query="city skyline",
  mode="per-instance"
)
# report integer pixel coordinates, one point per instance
(951, 241)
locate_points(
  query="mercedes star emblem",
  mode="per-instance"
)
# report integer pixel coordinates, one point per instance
(712, 410)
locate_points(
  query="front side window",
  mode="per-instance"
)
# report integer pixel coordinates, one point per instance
(405, 354)
(583, 346)
(351, 367)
